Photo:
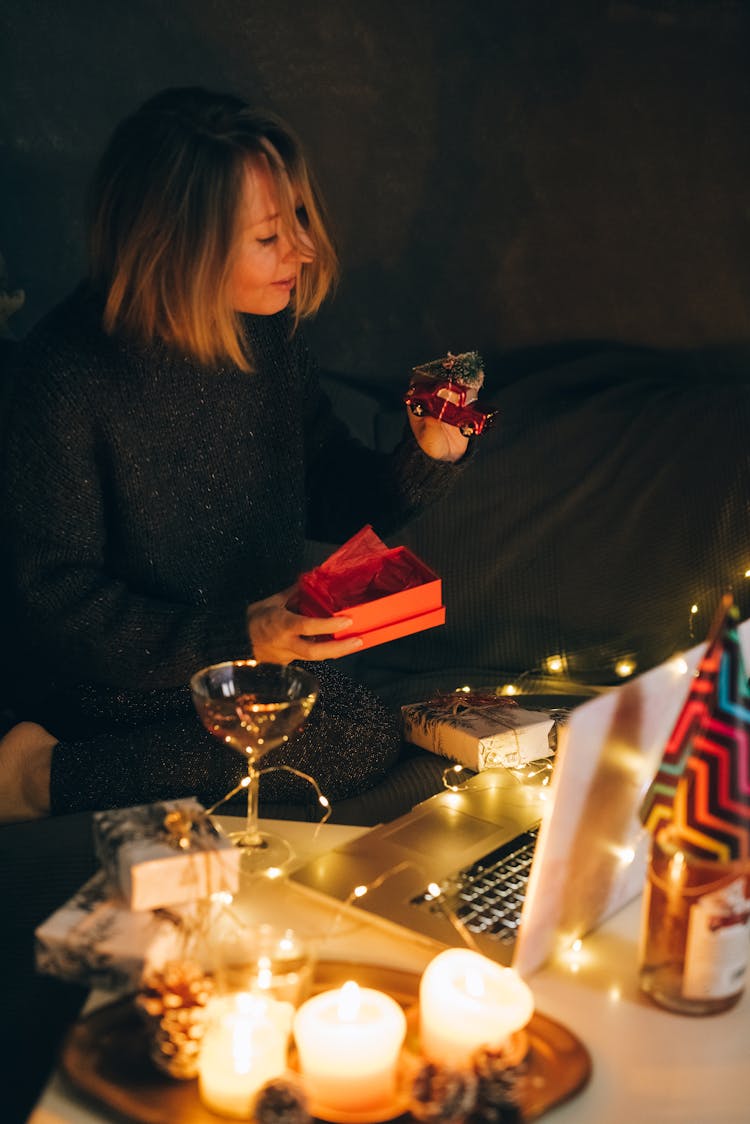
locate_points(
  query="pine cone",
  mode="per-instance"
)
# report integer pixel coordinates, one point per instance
(497, 1088)
(440, 1095)
(281, 1102)
(173, 1002)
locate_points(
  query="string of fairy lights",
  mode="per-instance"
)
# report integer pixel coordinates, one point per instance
(553, 672)
(572, 953)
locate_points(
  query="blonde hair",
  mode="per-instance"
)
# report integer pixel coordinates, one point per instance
(164, 207)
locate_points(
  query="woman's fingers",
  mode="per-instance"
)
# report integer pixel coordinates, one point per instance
(327, 649)
(279, 635)
(307, 637)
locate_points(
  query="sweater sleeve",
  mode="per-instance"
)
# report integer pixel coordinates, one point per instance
(349, 484)
(74, 614)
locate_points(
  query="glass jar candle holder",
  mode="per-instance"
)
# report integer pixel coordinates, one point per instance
(695, 936)
(262, 975)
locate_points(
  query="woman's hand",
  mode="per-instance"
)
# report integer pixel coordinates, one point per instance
(279, 636)
(436, 438)
(25, 765)
(440, 441)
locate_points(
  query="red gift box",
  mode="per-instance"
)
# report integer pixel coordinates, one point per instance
(385, 592)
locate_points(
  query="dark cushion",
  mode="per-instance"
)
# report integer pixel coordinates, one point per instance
(612, 497)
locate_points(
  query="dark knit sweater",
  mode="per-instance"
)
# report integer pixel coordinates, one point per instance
(148, 500)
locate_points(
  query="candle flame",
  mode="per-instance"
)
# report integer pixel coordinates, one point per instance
(473, 983)
(265, 972)
(249, 1006)
(244, 1003)
(349, 1002)
(249, 1014)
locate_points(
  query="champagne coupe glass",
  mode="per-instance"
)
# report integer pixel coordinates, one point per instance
(254, 707)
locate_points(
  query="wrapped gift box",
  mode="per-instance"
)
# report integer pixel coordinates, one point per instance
(95, 940)
(165, 853)
(480, 733)
(385, 592)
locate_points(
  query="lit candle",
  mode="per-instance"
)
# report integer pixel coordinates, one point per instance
(245, 1046)
(467, 1001)
(349, 1042)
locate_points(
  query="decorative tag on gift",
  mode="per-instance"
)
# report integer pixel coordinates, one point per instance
(165, 853)
(480, 731)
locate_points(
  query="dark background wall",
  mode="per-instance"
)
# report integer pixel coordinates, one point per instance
(501, 175)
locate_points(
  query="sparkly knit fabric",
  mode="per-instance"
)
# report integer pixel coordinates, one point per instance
(147, 501)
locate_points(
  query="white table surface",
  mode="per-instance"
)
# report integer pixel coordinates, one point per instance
(649, 1066)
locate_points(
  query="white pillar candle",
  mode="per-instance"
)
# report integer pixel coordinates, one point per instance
(245, 1046)
(348, 1041)
(467, 1001)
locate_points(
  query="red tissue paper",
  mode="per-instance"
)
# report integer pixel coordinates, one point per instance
(386, 592)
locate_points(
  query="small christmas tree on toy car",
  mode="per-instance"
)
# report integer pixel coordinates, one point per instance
(447, 388)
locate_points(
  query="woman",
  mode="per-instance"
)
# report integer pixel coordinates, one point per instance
(168, 452)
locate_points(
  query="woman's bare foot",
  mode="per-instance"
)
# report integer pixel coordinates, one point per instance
(25, 762)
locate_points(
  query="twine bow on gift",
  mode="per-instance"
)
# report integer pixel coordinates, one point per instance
(456, 702)
(179, 825)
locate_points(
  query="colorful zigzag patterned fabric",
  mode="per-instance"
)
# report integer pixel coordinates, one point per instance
(702, 785)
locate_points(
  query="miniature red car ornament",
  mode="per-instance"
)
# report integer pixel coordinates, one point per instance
(440, 389)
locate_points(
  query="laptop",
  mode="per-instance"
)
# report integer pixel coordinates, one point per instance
(586, 845)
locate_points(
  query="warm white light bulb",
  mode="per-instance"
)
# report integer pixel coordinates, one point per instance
(624, 668)
(677, 866)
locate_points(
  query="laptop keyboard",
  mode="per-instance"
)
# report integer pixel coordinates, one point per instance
(487, 897)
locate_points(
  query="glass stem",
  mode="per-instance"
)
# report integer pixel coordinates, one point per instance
(253, 837)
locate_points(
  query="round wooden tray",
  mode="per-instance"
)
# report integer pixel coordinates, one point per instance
(105, 1056)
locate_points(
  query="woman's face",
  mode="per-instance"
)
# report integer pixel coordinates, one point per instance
(268, 261)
